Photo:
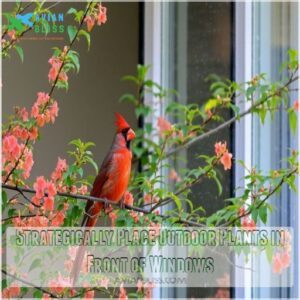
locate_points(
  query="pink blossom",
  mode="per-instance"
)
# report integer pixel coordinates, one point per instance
(90, 22)
(135, 216)
(51, 190)
(21, 133)
(226, 160)
(61, 167)
(174, 176)
(277, 265)
(242, 211)
(63, 76)
(46, 296)
(285, 259)
(27, 163)
(58, 220)
(248, 224)
(11, 146)
(113, 216)
(56, 64)
(154, 229)
(40, 186)
(33, 133)
(49, 204)
(148, 290)
(59, 284)
(128, 198)
(23, 114)
(147, 198)
(41, 120)
(104, 282)
(102, 17)
(296, 105)
(220, 148)
(83, 189)
(11, 292)
(122, 293)
(164, 126)
(42, 98)
(222, 294)
(12, 34)
(139, 285)
(35, 111)
(73, 189)
(89, 295)
(52, 74)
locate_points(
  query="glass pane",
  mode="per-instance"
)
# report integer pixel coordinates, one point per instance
(274, 32)
(196, 43)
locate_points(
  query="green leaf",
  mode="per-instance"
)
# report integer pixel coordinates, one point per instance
(269, 252)
(72, 30)
(128, 98)
(263, 214)
(177, 201)
(212, 103)
(4, 199)
(293, 120)
(36, 263)
(143, 111)
(73, 56)
(86, 35)
(38, 294)
(72, 10)
(20, 52)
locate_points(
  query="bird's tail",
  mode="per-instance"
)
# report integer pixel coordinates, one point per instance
(88, 222)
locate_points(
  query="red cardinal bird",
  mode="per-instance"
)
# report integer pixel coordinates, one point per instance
(111, 182)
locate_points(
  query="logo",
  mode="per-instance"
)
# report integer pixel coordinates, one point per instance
(25, 19)
(42, 23)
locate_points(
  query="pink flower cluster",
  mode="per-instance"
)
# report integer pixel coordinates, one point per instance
(147, 287)
(11, 292)
(128, 198)
(246, 222)
(221, 152)
(122, 293)
(60, 168)
(173, 175)
(56, 70)
(282, 259)
(44, 109)
(13, 151)
(296, 105)
(99, 16)
(60, 284)
(43, 187)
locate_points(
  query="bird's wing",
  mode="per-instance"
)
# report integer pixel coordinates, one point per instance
(102, 177)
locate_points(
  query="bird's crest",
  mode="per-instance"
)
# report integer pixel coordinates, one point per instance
(121, 123)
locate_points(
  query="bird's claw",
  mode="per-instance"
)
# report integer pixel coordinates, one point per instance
(122, 204)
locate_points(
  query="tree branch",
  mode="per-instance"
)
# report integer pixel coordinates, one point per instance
(233, 119)
(102, 200)
(276, 188)
(29, 283)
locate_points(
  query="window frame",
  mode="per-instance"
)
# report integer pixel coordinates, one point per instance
(243, 132)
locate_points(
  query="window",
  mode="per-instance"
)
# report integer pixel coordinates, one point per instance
(185, 42)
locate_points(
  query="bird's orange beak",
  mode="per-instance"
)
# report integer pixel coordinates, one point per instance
(130, 135)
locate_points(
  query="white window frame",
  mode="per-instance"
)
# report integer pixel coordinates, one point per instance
(243, 129)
